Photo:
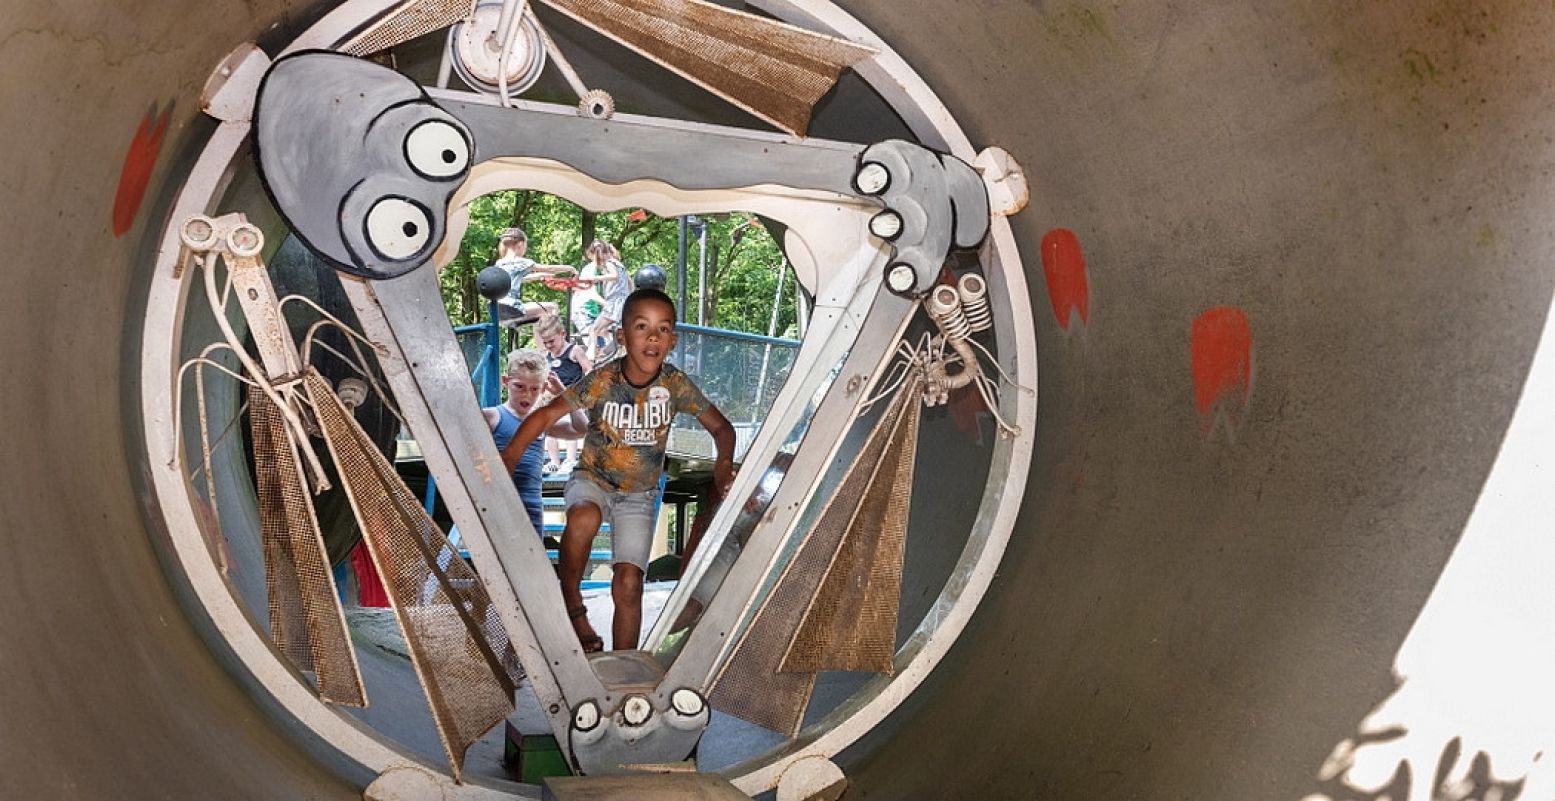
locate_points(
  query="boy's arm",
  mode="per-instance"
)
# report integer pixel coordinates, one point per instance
(536, 423)
(570, 426)
(581, 358)
(723, 437)
(540, 272)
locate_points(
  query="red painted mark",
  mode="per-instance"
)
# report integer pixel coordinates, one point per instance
(138, 162)
(1222, 347)
(1064, 265)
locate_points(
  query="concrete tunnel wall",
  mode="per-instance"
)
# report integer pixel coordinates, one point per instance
(1196, 604)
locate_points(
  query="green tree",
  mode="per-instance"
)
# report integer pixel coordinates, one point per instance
(743, 259)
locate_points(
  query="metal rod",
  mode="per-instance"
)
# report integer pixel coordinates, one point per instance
(680, 268)
(491, 386)
(702, 273)
(766, 351)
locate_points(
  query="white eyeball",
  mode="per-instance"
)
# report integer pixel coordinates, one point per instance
(872, 178)
(586, 717)
(398, 229)
(437, 149)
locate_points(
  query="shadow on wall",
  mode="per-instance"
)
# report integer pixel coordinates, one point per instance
(1477, 671)
(1452, 778)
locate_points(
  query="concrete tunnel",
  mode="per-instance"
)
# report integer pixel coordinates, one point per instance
(1328, 582)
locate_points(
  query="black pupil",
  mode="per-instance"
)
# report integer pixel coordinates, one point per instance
(449, 156)
(409, 229)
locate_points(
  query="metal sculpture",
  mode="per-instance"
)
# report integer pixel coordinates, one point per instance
(363, 165)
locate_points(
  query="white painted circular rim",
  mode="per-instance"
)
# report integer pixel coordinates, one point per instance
(890, 76)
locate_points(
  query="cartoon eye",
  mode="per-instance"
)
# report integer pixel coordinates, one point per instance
(398, 229)
(437, 149)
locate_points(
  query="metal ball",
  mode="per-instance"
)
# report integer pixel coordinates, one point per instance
(493, 283)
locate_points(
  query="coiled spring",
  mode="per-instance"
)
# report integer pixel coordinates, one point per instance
(973, 291)
(944, 305)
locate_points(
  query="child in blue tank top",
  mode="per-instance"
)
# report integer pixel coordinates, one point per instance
(528, 377)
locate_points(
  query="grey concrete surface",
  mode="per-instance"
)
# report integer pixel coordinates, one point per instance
(1180, 615)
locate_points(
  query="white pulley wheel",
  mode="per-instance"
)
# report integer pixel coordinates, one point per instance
(475, 47)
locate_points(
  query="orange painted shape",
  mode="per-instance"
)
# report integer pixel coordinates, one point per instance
(1067, 286)
(1222, 347)
(138, 163)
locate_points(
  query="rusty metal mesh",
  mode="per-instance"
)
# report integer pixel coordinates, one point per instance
(414, 18)
(457, 644)
(852, 623)
(306, 620)
(774, 70)
(752, 685)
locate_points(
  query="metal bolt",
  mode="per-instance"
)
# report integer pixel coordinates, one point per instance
(245, 240)
(199, 233)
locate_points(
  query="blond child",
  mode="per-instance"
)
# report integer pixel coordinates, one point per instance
(568, 363)
(527, 379)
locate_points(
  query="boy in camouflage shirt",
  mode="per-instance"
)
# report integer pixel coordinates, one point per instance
(631, 403)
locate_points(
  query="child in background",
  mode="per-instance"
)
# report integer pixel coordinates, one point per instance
(511, 247)
(528, 376)
(568, 364)
(631, 403)
(615, 285)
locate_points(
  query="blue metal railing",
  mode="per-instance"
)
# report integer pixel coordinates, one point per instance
(740, 336)
(486, 373)
(740, 373)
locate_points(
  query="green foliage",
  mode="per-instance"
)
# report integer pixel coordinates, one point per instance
(743, 259)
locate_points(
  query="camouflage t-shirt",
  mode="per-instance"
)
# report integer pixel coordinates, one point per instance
(629, 426)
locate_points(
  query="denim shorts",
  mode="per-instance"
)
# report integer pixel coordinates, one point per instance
(631, 516)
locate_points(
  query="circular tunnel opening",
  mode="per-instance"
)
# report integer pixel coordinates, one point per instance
(958, 521)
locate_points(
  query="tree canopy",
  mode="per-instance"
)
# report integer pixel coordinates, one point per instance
(743, 259)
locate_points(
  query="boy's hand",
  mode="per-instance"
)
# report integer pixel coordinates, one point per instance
(723, 477)
(553, 385)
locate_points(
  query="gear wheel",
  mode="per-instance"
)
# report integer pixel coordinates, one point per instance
(596, 104)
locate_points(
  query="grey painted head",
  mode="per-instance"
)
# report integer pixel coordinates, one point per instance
(359, 161)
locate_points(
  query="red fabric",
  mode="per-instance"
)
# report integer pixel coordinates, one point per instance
(369, 588)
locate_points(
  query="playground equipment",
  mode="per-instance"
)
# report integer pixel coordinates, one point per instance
(1224, 582)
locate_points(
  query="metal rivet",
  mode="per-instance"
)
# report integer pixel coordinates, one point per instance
(901, 278)
(245, 240)
(198, 232)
